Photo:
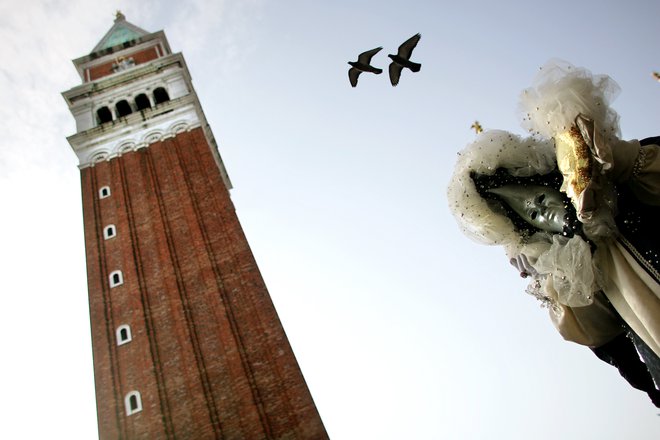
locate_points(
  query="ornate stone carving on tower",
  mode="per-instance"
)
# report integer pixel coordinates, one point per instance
(186, 341)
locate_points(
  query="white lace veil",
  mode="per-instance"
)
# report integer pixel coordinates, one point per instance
(560, 92)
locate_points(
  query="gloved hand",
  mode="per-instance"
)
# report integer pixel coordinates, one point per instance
(522, 263)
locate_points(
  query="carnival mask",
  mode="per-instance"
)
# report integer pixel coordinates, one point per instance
(540, 206)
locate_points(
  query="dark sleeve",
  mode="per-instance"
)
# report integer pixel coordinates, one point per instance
(650, 140)
(624, 354)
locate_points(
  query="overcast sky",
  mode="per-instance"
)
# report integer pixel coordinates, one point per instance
(403, 327)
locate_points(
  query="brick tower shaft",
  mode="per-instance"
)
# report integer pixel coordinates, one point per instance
(186, 341)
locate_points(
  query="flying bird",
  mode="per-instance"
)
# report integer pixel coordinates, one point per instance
(362, 65)
(656, 75)
(402, 59)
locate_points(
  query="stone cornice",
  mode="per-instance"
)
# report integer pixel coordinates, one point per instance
(141, 129)
(137, 130)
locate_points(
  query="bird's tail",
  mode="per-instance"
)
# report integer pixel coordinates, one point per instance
(415, 66)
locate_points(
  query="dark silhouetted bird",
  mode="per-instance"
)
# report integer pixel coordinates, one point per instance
(362, 65)
(402, 59)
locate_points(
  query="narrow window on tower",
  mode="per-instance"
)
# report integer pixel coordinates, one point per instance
(123, 108)
(104, 192)
(133, 403)
(124, 334)
(109, 231)
(142, 102)
(103, 115)
(160, 95)
(116, 278)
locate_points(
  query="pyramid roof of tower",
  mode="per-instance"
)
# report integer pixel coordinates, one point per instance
(121, 32)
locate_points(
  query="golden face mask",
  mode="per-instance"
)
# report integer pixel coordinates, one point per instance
(574, 161)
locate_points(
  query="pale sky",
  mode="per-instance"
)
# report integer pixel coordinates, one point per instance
(403, 327)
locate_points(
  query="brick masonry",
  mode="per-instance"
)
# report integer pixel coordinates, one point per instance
(139, 57)
(208, 353)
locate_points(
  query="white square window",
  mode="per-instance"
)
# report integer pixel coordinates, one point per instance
(124, 334)
(104, 192)
(116, 278)
(133, 403)
(109, 231)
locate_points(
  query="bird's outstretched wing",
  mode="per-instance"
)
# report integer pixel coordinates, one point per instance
(365, 57)
(353, 74)
(395, 73)
(406, 49)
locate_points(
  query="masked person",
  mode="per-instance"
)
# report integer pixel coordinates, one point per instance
(505, 191)
(591, 250)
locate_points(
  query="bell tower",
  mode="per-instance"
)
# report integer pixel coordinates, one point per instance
(186, 341)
